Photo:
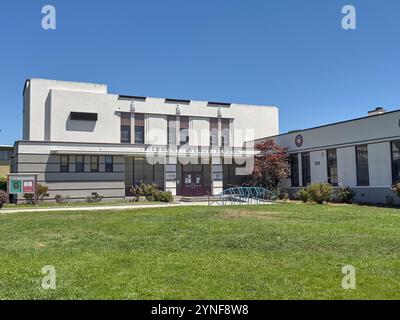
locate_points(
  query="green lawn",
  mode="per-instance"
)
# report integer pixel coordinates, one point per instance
(280, 251)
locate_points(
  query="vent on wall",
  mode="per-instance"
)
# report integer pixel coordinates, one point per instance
(177, 101)
(83, 116)
(218, 104)
(132, 98)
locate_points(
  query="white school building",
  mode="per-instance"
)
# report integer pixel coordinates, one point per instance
(79, 139)
(362, 153)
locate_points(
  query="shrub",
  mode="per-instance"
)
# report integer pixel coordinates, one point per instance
(3, 198)
(29, 197)
(302, 195)
(3, 183)
(61, 199)
(283, 195)
(145, 190)
(396, 189)
(41, 191)
(95, 197)
(319, 192)
(343, 195)
(389, 200)
(164, 196)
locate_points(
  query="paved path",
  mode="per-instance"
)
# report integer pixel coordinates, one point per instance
(103, 207)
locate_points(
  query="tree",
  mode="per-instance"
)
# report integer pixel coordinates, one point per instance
(271, 165)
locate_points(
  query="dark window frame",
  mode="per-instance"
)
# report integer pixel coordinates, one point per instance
(64, 168)
(139, 128)
(329, 165)
(184, 130)
(305, 169)
(76, 164)
(362, 177)
(394, 163)
(294, 179)
(108, 166)
(96, 169)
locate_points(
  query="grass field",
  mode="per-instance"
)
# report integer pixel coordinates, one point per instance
(280, 251)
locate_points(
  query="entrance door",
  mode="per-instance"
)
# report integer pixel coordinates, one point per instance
(193, 184)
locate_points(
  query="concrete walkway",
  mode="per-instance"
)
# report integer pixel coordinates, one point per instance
(103, 207)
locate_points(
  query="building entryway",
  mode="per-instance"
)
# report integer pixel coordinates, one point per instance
(195, 180)
(193, 184)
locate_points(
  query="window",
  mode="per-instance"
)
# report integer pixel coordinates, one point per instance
(64, 164)
(94, 163)
(294, 169)
(225, 132)
(80, 164)
(213, 132)
(184, 131)
(362, 165)
(332, 167)
(125, 127)
(5, 154)
(172, 130)
(109, 167)
(396, 161)
(305, 168)
(139, 128)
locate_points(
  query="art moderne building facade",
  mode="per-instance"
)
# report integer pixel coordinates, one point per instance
(362, 153)
(80, 139)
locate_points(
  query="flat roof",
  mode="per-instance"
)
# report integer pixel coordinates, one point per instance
(332, 124)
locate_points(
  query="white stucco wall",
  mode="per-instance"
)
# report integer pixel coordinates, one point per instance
(347, 171)
(379, 164)
(48, 105)
(318, 166)
(35, 98)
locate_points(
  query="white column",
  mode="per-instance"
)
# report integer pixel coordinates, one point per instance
(216, 179)
(132, 128)
(170, 178)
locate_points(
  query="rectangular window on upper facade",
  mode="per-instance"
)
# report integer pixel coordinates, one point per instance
(83, 116)
(305, 168)
(64, 163)
(139, 128)
(80, 164)
(362, 165)
(395, 146)
(184, 131)
(125, 127)
(94, 163)
(109, 164)
(332, 167)
(294, 170)
(172, 130)
(214, 132)
(225, 132)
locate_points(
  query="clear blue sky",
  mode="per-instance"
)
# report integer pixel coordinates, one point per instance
(289, 53)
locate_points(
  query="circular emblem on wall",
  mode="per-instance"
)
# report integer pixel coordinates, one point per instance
(299, 140)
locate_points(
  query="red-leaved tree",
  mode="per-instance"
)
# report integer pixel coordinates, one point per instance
(271, 165)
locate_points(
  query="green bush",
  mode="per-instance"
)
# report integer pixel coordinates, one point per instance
(3, 198)
(95, 197)
(61, 199)
(164, 196)
(302, 195)
(3, 183)
(396, 189)
(343, 195)
(145, 190)
(29, 198)
(41, 191)
(319, 192)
